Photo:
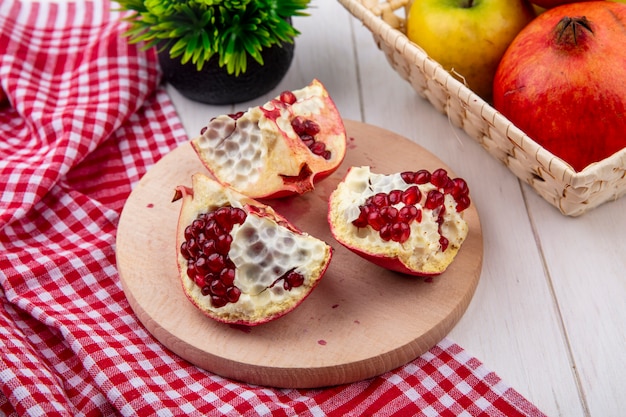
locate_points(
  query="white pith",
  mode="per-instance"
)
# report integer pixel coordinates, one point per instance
(254, 153)
(262, 251)
(422, 251)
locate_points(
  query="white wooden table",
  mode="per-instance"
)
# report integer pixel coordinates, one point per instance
(549, 314)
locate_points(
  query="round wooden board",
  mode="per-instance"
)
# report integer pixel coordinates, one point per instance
(361, 320)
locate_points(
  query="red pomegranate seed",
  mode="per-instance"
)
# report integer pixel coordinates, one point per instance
(400, 232)
(298, 125)
(311, 128)
(228, 276)
(434, 199)
(361, 221)
(308, 140)
(288, 97)
(375, 220)
(459, 187)
(411, 195)
(380, 200)
(395, 197)
(292, 280)
(209, 247)
(439, 178)
(218, 288)
(421, 177)
(408, 176)
(318, 148)
(215, 262)
(222, 244)
(217, 301)
(236, 116)
(386, 232)
(389, 213)
(407, 214)
(444, 243)
(232, 294)
(462, 202)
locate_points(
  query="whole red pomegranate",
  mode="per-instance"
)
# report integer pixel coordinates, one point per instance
(239, 261)
(563, 81)
(277, 149)
(409, 222)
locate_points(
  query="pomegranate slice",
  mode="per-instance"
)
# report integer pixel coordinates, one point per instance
(409, 222)
(278, 149)
(239, 261)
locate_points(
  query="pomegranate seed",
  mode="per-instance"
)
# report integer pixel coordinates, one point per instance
(462, 202)
(408, 176)
(407, 214)
(389, 213)
(434, 199)
(411, 195)
(209, 247)
(218, 288)
(421, 177)
(400, 232)
(444, 243)
(311, 128)
(459, 187)
(292, 280)
(298, 125)
(188, 232)
(215, 262)
(236, 116)
(375, 220)
(380, 200)
(385, 232)
(308, 140)
(395, 196)
(201, 265)
(184, 251)
(222, 218)
(318, 148)
(203, 130)
(232, 294)
(326, 155)
(222, 244)
(361, 221)
(212, 230)
(288, 97)
(205, 290)
(228, 276)
(218, 302)
(439, 178)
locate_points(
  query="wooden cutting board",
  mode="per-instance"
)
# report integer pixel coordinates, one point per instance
(360, 322)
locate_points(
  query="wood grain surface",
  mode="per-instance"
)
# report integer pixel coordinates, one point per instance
(361, 320)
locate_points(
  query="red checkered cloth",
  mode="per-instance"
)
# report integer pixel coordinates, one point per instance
(85, 117)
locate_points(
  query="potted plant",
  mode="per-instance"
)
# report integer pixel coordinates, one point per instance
(217, 51)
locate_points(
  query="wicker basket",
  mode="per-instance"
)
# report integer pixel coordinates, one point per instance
(573, 193)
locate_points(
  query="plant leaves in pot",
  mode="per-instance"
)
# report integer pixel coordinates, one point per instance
(217, 51)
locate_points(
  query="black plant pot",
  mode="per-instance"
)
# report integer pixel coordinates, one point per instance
(213, 85)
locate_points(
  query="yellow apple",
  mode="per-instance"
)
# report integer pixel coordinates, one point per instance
(468, 37)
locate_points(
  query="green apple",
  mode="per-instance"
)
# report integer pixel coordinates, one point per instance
(468, 37)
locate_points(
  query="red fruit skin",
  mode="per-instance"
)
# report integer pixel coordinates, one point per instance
(548, 4)
(569, 98)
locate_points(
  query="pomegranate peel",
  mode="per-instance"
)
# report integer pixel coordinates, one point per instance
(409, 222)
(239, 261)
(280, 148)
